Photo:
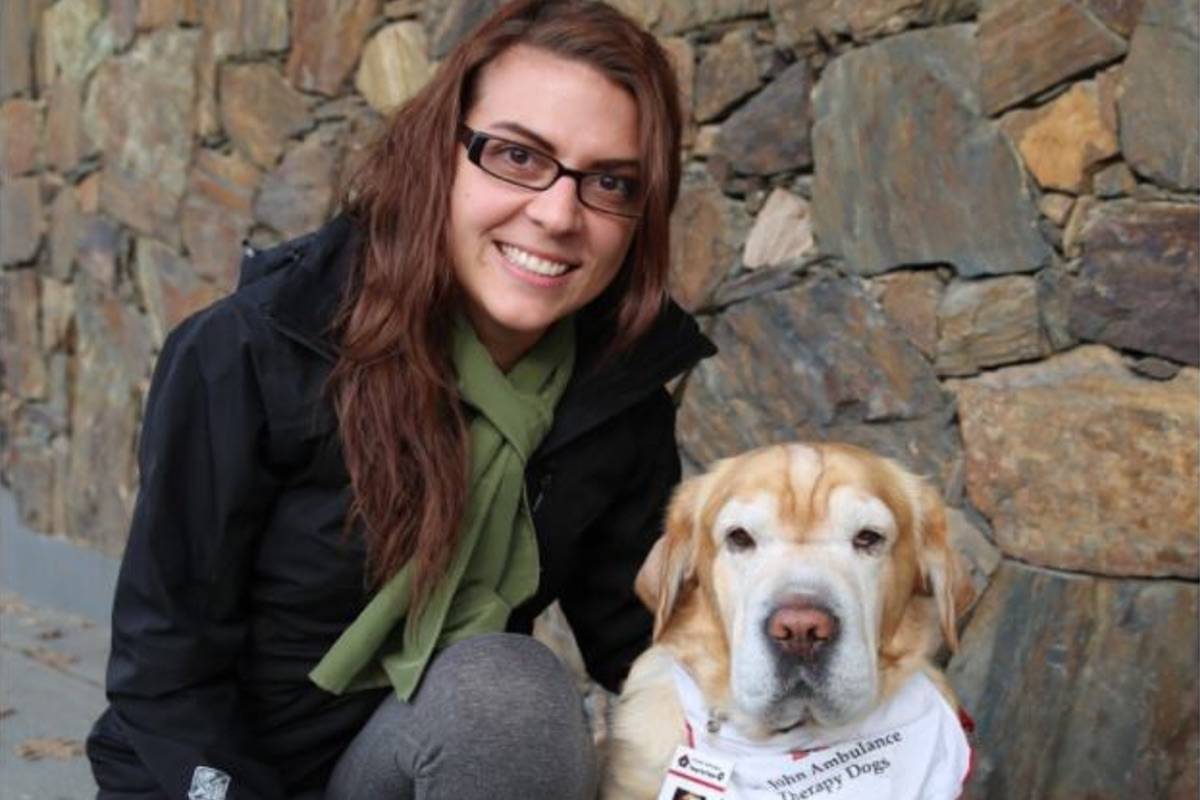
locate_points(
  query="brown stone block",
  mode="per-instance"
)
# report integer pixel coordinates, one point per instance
(58, 315)
(100, 245)
(154, 14)
(88, 193)
(246, 27)
(1139, 286)
(170, 288)
(911, 299)
(295, 198)
(64, 233)
(987, 323)
(75, 38)
(139, 112)
(393, 66)
(1027, 46)
(112, 366)
(707, 231)
(33, 466)
(817, 361)
(260, 111)
(218, 214)
(122, 21)
(782, 232)
(20, 220)
(18, 24)
(1082, 687)
(803, 24)
(24, 369)
(327, 37)
(66, 141)
(1120, 15)
(677, 16)
(683, 59)
(1056, 207)
(728, 71)
(1080, 465)
(1115, 180)
(143, 204)
(20, 131)
(907, 168)
(1159, 103)
(771, 132)
(1062, 141)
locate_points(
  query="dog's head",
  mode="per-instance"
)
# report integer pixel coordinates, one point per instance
(825, 567)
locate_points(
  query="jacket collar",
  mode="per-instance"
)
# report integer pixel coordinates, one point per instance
(312, 272)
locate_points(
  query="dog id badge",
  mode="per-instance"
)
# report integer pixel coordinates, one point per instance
(695, 776)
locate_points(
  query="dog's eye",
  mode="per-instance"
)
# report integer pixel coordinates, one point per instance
(739, 540)
(867, 539)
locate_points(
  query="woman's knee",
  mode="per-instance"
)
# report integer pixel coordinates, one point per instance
(502, 680)
(504, 703)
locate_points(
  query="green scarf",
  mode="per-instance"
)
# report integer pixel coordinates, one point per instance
(495, 567)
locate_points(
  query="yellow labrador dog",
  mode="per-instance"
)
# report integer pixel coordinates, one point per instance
(798, 591)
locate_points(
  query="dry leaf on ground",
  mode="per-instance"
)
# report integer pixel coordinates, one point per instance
(58, 749)
(51, 658)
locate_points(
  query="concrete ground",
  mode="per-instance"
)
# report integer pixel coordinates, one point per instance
(54, 603)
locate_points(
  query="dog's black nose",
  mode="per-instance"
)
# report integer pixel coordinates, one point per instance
(802, 629)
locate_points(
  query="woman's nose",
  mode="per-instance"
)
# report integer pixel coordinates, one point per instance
(557, 208)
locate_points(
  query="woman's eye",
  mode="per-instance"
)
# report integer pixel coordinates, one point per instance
(867, 539)
(517, 156)
(739, 540)
(614, 184)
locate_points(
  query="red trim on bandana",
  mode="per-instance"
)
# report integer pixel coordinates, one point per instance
(694, 779)
(968, 726)
(800, 755)
(687, 731)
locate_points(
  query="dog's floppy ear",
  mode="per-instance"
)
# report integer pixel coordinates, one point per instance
(941, 575)
(672, 560)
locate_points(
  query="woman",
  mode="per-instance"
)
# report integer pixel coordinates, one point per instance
(366, 471)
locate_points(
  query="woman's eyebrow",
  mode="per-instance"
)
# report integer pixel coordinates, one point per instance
(544, 144)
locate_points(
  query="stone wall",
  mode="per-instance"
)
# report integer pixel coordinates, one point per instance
(961, 232)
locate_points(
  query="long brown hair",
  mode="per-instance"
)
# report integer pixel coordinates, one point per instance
(403, 434)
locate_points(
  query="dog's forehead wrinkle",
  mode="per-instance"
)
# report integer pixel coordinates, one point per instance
(853, 506)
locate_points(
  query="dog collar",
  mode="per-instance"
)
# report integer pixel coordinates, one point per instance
(911, 746)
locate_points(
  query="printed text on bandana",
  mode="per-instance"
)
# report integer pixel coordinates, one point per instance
(826, 772)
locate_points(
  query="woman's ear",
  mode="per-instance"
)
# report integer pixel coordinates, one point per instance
(672, 561)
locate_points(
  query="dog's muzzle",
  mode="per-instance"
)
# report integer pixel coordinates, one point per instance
(803, 629)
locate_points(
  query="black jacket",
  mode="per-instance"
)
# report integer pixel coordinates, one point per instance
(237, 577)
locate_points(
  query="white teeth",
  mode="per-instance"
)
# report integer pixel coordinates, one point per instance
(529, 261)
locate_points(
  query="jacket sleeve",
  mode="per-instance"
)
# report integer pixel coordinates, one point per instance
(179, 615)
(610, 623)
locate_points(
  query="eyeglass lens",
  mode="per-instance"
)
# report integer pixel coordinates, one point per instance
(535, 170)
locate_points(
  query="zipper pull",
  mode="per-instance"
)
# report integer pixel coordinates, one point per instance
(543, 486)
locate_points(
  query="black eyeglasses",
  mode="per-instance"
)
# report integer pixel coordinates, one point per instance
(530, 168)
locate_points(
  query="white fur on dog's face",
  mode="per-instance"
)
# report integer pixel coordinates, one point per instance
(783, 528)
(821, 564)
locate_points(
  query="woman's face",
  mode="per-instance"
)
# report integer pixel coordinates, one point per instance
(525, 258)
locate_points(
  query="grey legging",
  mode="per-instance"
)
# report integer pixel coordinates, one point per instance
(496, 717)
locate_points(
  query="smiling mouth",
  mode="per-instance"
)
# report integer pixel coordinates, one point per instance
(534, 263)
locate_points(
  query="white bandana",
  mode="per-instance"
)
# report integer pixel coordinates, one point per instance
(912, 747)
